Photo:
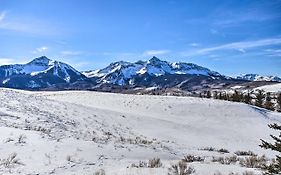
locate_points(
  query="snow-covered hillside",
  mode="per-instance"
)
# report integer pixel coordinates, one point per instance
(276, 88)
(79, 132)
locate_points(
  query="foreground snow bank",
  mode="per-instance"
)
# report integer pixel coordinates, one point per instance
(82, 132)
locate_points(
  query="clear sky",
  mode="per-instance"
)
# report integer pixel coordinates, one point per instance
(228, 36)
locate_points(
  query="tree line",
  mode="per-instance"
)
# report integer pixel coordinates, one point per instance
(260, 99)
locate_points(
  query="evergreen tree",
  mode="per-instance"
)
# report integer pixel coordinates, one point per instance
(215, 95)
(209, 95)
(275, 167)
(247, 98)
(259, 99)
(236, 96)
(226, 97)
(279, 102)
(268, 104)
(220, 96)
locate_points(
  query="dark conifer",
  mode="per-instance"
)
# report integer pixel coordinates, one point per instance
(209, 95)
(247, 98)
(279, 102)
(259, 99)
(268, 104)
(275, 167)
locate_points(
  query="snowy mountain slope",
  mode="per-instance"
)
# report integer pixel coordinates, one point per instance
(275, 88)
(39, 73)
(256, 77)
(126, 73)
(81, 132)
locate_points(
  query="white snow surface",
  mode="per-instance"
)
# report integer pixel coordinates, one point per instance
(92, 73)
(270, 88)
(80, 132)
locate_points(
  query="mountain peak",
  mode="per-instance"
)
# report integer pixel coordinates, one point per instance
(41, 72)
(154, 59)
(43, 60)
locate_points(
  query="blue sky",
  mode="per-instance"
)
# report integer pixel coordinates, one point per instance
(228, 36)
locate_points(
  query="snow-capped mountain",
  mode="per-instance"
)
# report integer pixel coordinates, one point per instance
(126, 73)
(256, 77)
(44, 73)
(41, 72)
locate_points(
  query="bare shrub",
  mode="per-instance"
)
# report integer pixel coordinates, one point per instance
(232, 159)
(11, 161)
(140, 141)
(141, 164)
(245, 153)
(248, 173)
(181, 168)
(8, 140)
(231, 173)
(70, 158)
(208, 149)
(192, 158)
(100, 172)
(154, 163)
(41, 129)
(225, 160)
(21, 139)
(253, 162)
(222, 150)
(135, 141)
(48, 156)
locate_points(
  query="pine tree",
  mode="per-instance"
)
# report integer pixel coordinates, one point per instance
(279, 102)
(236, 96)
(259, 99)
(247, 98)
(220, 96)
(209, 95)
(226, 97)
(215, 95)
(275, 167)
(268, 104)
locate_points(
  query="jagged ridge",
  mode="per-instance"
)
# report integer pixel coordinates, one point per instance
(122, 73)
(39, 73)
(257, 77)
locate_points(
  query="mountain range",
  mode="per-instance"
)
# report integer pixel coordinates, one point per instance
(257, 77)
(44, 73)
